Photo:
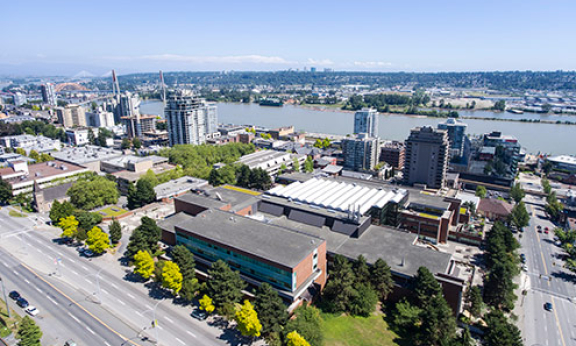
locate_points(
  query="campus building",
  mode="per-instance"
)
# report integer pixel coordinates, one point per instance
(270, 160)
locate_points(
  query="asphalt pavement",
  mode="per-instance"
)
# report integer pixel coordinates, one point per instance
(112, 300)
(546, 281)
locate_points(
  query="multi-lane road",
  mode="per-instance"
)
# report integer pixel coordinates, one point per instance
(546, 281)
(64, 287)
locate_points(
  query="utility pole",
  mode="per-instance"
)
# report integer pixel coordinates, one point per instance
(154, 320)
(5, 297)
(98, 292)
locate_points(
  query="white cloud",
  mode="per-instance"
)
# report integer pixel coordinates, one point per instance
(230, 59)
(372, 64)
(322, 62)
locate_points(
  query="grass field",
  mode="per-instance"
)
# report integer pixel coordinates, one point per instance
(15, 213)
(8, 325)
(341, 330)
(112, 211)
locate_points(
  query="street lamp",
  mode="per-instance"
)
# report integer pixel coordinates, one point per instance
(98, 293)
(154, 320)
(5, 297)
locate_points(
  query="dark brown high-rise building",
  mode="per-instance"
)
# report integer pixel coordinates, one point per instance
(393, 153)
(426, 157)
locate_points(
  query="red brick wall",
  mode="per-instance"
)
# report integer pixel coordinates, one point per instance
(304, 269)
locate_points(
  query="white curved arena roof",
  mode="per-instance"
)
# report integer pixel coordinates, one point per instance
(339, 196)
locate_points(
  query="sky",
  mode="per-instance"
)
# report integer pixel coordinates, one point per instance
(67, 37)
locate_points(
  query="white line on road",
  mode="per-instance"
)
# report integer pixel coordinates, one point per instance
(103, 290)
(148, 306)
(90, 282)
(107, 344)
(113, 285)
(139, 313)
(121, 302)
(169, 319)
(74, 317)
(37, 289)
(131, 296)
(84, 267)
(42, 252)
(15, 273)
(180, 341)
(192, 334)
(90, 330)
(75, 273)
(26, 280)
(160, 327)
(71, 260)
(52, 300)
(5, 265)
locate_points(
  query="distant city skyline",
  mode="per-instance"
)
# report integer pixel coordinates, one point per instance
(65, 38)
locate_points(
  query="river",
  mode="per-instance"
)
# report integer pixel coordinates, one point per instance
(535, 137)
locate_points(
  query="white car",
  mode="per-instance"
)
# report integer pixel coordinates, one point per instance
(32, 311)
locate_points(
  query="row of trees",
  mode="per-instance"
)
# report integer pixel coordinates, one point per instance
(33, 127)
(240, 175)
(93, 191)
(127, 143)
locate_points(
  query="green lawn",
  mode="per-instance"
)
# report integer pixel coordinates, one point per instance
(15, 213)
(341, 330)
(111, 211)
(8, 325)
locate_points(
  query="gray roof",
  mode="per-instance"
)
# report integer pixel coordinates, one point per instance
(392, 245)
(56, 192)
(273, 243)
(176, 186)
(168, 223)
(88, 153)
(414, 197)
(202, 200)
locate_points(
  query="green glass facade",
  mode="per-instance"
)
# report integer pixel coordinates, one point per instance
(279, 278)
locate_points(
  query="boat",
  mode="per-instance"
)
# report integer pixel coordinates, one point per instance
(271, 102)
(515, 111)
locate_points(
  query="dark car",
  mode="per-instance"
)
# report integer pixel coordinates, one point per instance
(548, 306)
(523, 258)
(14, 295)
(23, 303)
(199, 314)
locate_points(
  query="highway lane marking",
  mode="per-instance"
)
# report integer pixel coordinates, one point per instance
(192, 334)
(26, 280)
(558, 322)
(90, 330)
(103, 290)
(84, 267)
(121, 302)
(71, 260)
(15, 273)
(168, 319)
(42, 252)
(5, 265)
(107, 344)
(52, 300)
(73, 271)
(148, 307)
(37, 289)
(160, 327)
(90, 282)
(113, 285)
(81, 307)
(139, 313)
(74, 317)
(131, 296)
(180, 341)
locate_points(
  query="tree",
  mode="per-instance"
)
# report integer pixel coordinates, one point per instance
(60, 210)
(308, 323)
(465, 338)
(145, 191)
(407, 317)
(126, 144)
(308, 165)
(115, 231)
(339, 290)
(480, 191)
(206, 304)
(381, 279)
(190, 288)
(361, 270)
(91, 192)
(474, 300)
(137, 143)
(500, 105)
(46, 157)
(221, 176)
(185, 260)
(171, 277)
(28, 333)
(5, 191)
(546, 186)
(295, 164)
(144, 264)
(260, 179)
(547, 167)
(97, 240)
(282, 169)
(270, 308)
(91, 137)
(145, 237)
(243, 176)
(517, 193)
(34, 155)
(364, 302)
(103, 135)
(500, 332)
(438, 324)
(87, 220)
(295, 339)
(133, 199)
(499, 287)
(20, 151)
(224, 285)
(425, 287)
(247, 319)
(69, 227)
(519, 217)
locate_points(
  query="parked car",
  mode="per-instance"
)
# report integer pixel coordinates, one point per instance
(88, 253)
(23, 303)
(31, 310)
(70, 343)
(539, 228)
(548, 306)
(199, 314)
(546, 230)
(14, 295)
(523, 258)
